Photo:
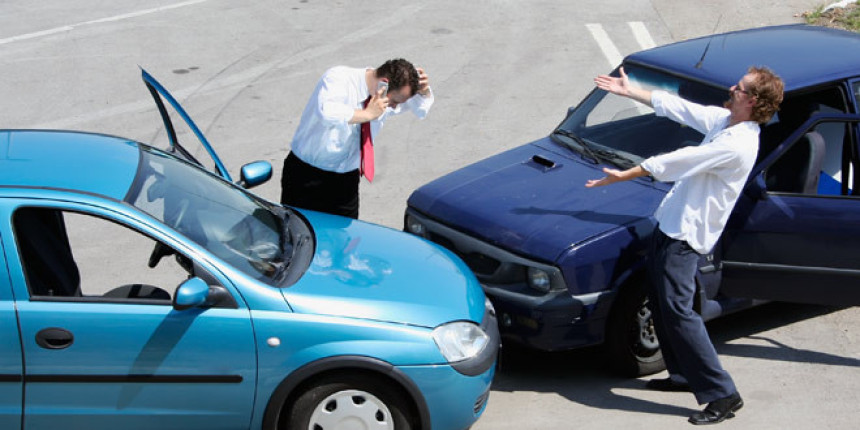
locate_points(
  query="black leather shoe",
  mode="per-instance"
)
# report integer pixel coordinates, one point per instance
(667, 384)
(719, 410)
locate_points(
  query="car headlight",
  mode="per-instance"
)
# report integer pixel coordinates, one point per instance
(539, 279)
(460, 340)
(415, 227)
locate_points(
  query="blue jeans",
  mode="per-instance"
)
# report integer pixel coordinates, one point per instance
(687, 348)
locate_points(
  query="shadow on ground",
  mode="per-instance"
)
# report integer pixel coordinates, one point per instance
(584, 377)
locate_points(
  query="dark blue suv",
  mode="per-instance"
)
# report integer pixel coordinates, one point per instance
(564, 265)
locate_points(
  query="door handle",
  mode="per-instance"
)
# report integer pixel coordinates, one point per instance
(54, 338)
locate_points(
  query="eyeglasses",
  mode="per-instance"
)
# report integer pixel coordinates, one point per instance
(737, 89)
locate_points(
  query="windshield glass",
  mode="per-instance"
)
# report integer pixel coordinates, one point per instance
(244, 231)
(625, 132)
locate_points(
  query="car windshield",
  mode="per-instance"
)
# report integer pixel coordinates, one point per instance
(624, 132)
(248, 233)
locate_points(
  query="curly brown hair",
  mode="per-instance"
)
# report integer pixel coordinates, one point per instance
(399, 73)
(768, 89)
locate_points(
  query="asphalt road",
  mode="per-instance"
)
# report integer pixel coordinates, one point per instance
(504, 73)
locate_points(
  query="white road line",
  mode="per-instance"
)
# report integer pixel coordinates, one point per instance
(71, 27)
(605, 43)
(640, 32)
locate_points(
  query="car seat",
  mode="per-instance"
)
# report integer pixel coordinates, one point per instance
(46, 256)
(798, 169)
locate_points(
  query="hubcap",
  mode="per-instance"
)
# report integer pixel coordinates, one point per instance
(351, 410)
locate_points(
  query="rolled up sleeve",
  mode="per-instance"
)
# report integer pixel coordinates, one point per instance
(689, 161)
(334, 106)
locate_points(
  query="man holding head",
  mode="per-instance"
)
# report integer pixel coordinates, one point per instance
(329, 151)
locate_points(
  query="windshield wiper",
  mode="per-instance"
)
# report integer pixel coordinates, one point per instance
(615, 158)
(587, 149)
(598, 154)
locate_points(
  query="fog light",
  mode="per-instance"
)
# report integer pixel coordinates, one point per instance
(539, 279)
(415, 227)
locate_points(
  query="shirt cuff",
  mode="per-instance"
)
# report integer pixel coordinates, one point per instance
(653, 166)
(657, 98)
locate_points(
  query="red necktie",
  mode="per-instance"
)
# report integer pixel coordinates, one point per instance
(366, 148)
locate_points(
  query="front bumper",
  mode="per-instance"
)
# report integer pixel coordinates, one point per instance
(449, 408)
(550, 321)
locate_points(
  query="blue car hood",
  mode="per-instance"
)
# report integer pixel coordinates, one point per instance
(532, 200)
(361, 270)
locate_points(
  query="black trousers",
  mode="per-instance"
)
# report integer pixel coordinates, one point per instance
(684, 340)
(305, 186)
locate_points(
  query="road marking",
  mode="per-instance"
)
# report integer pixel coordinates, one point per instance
(605, 43)
(71, 27)
(640, 32)
(613, 55)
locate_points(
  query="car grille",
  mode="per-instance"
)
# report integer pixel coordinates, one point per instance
(481, 264)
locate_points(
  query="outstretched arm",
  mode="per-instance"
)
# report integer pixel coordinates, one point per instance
(615, 175)
(621, 86)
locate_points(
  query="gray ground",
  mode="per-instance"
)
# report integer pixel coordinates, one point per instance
(504, 73)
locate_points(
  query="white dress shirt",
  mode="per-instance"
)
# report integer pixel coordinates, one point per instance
(324, 138)
(708, 178)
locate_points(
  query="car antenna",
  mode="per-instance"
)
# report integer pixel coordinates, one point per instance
(708, 46)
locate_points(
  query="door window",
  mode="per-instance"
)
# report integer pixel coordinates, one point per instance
(68, 254)
(818, 161)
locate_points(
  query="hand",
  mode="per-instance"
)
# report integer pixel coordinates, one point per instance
(423, 82)
(377, 105)
(620, 86)
(612, 176)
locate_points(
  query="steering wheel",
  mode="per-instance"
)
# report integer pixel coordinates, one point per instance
(161, 250)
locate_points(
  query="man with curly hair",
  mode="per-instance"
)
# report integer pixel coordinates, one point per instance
(708, 181)
(328, 156)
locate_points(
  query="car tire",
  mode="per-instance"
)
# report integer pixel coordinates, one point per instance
(334, 401)
(631, 342)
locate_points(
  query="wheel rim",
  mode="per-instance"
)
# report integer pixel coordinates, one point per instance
(351, 410)
(645, 338)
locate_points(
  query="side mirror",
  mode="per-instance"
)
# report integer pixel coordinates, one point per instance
(190, 293)
(195, 292)
(255, 173)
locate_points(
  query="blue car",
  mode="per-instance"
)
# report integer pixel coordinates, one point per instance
(564, 265)
(142, 290)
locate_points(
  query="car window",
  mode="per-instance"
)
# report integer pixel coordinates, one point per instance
(244, 231)
(72, 255)
(817, 162)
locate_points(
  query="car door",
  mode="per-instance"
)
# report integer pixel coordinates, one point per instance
(103, 347)
(11, 370)
(184, 137)
(788, 243)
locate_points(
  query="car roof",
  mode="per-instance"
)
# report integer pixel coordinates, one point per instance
(68, 160)
(802, 55)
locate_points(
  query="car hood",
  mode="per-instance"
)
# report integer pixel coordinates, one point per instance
(361, 270)
(532, 200)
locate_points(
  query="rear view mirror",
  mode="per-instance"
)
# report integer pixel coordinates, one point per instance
(255, 173)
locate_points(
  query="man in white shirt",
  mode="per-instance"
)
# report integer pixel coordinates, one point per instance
(708, 181)
(322, 170)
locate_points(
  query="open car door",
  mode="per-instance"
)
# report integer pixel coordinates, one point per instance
(193, 146)
(798, 240)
